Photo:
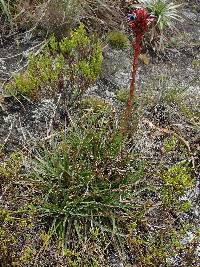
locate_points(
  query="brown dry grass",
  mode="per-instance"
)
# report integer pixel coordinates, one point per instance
(58, 16)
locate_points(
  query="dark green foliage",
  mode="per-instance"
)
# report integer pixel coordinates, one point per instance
(87, 179)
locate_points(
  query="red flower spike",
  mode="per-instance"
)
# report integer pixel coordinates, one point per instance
(139, 21)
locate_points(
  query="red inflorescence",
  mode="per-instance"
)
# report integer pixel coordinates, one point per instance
(141, 20)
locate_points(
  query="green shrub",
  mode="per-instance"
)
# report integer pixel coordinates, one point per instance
(68, 66)
(117, 40)
(170, 144)
(14, 228)
(10, 168)
(177, 180)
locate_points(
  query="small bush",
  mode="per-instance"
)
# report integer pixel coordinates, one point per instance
(10, 167)
(117, 40)
(177, 180)
(68, 66)
(170, 144)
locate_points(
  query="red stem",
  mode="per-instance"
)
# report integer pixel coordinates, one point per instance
(137, 50)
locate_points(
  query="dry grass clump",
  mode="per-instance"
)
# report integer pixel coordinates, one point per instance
(58, 15)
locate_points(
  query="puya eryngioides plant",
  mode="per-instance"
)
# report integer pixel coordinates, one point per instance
(166, 14)
(139, 21)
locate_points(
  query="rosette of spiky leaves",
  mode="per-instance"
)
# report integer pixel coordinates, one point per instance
(166, 13)
(87, 179)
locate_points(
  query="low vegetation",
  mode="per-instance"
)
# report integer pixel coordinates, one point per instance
(117, 40)
(88, 193)
(92, 194)
(67, 67)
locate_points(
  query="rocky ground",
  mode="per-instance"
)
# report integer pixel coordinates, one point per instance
(179, 66)
(26, 122)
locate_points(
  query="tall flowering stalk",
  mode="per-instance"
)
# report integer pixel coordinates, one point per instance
(139, 21)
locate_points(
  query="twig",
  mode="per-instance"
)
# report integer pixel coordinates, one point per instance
(49, 130)
(167, 131)
(10, 131)
(24, 53)
(23, 134)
